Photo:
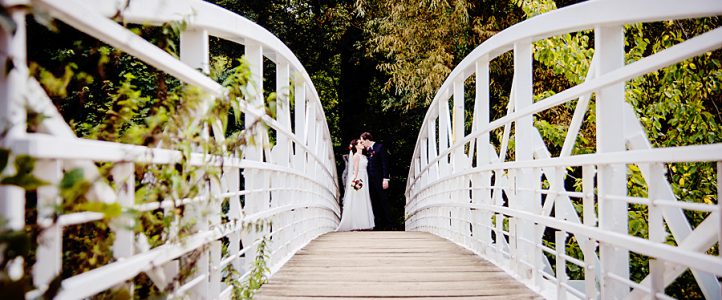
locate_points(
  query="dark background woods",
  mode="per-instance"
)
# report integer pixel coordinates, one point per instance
(339, 43)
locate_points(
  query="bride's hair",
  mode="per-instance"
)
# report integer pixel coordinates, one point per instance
(355, 142)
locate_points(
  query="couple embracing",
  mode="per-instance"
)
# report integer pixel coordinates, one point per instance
(365, 202)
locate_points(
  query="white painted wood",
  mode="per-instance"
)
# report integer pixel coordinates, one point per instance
(319, 211)
(516, 185)
(50, 242)
(12, 110)
(609, 45)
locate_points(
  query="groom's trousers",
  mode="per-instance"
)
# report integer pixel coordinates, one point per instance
(379, 204)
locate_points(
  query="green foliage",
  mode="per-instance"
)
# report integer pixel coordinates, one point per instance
(108, 95)
(258, 275)
(16, 246)
(375, 64)
(23, 177)
(73, 186)
(678, 106)
(421, 42)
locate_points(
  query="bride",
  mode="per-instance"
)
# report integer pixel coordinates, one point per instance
(357, 213)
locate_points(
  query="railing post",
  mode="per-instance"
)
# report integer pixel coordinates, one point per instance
(560, 241)
(124, 178)
(499, 222)
(12, 109)
(609, 45)
(433, 171)
(458, 117)
(12, 115)
(444, 135)
(50, 242)
(283, 115)
(254, 151)
(657, 232)
(590, 220)
(459, 160)
(482, 181)
(299, 124)
(235, 215)
(523, 146)
(310, 138)
(194, 52)
(194, 49)
(281, 151)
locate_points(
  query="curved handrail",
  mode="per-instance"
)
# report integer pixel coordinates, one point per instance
(703, 43)
(567, 20)
(293, 191)
(460, 187)
(202, 15)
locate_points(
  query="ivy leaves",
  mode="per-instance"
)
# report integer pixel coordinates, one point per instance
(23, 177)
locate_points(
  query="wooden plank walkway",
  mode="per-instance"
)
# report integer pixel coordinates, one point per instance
(405, 265)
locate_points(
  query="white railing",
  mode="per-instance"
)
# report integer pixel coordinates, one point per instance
(461, 186)
(290, 187)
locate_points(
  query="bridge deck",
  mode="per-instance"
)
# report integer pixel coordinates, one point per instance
(405, 265)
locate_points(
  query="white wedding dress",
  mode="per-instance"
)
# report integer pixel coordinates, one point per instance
(357, 212)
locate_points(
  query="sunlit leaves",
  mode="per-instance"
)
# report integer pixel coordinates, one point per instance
(23, 176)
(421, 42)
(258, 275)
(110, 210)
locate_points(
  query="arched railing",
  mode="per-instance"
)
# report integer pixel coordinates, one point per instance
(462, 187)
(289, 187)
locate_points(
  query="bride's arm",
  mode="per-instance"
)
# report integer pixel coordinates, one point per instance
(356, 159)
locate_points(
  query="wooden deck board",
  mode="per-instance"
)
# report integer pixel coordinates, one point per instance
(404, 265)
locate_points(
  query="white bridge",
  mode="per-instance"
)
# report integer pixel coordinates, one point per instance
(462, 185)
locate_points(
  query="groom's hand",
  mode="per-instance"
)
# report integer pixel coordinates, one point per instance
(385, 184)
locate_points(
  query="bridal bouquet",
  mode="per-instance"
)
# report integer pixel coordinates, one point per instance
(357, 184)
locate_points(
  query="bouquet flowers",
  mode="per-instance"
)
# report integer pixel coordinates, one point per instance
(357, 184)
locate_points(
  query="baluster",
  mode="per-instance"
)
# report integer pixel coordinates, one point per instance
(283, 115)
(311, 140)
(194, 52)
(12, 113)
(300, 123)
(609, 45)
(444, 135)
(514, 251)
(534, 235)
(458, 117)
(124, 179)
(657, 232)
(591, 270)
(12, 86)
(423, 163)
(498, 220)
(235, 215)
(434, 145)
(458, 159)
(50, 241)
(483, 148)
(523, 144)
(214, 252)
(253, 152)
(560, 238)
(198, 215)
(538, 260)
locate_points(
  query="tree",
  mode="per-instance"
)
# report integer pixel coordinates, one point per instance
(420, 42)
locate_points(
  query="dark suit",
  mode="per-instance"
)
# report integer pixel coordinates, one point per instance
(378, 170)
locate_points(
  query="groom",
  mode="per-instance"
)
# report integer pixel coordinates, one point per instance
(378, 170)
